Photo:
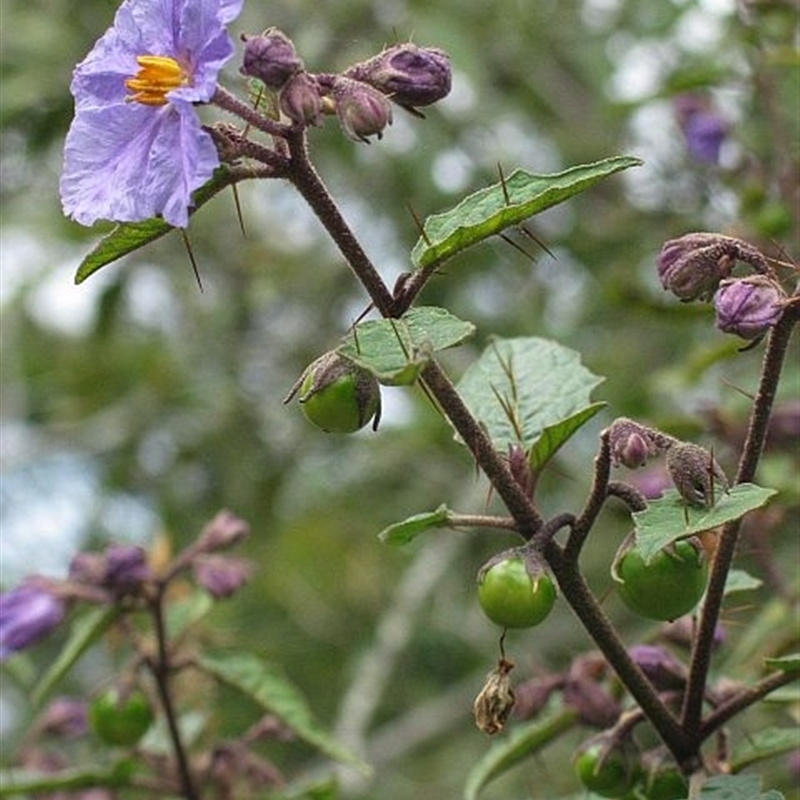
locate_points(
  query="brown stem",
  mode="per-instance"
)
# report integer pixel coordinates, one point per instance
(160, 669)
(774, 356)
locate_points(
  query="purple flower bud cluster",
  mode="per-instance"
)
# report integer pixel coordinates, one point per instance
(27, 614)
(406, 74)
(698, 266)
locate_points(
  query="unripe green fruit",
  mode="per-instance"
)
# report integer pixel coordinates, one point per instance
(120, 721)
(668, 586)
(513, 598)
(607, 772)
(338, 396)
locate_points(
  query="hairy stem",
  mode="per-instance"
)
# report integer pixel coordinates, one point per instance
(588, 610)
(774, 356)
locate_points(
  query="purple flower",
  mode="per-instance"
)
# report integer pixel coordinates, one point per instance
(136, 148)
(126, 568)
(221, 576)
(27, 613)
(703, 128)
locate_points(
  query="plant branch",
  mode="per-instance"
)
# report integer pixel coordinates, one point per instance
(160, 668)
(744, 699)
(774, 356)
(576, 592)
(223, 99)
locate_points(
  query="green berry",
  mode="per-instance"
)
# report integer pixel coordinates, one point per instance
(514, 593)
(120, 721)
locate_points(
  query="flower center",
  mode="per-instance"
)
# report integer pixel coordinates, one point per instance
(157, 76)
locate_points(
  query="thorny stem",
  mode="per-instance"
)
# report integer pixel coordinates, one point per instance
(223, 99)
(160, 668)
(774, 356)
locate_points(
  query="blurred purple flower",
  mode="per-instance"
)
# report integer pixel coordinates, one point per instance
(703, 128)
(64, 716)
(221, 576)
(27, 613)
(126, 568)
(136, 148)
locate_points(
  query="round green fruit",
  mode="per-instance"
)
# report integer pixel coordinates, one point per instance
(668, 586)
(120, 721)
(337, 396)
(513, 598)
(604, 771)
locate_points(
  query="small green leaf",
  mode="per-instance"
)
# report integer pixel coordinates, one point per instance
(740, 581)
(267, 686)
(397, 350)
(526, 389)
(127, 237)
(787, 663)
(553, 436)
(86, 630)
(736, 787)
(403, 532)
(668, 518)
(763, 744)
(524, 741)
(506, 203)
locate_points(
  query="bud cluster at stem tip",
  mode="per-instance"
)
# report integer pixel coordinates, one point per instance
(405, 74)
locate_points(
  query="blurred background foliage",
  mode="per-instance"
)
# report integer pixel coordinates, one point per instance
(135, 405)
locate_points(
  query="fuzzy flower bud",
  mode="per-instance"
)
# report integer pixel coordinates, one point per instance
(697, 476)
(361, 110)
(409, 75)
(749, 306)
(225, 530)
(271, 58)
(692, 266)
(300, 99)
(662, 669)
(629, 443)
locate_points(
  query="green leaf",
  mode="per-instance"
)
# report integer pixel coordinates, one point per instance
(86, 630)
(763, 744)
(668, 518)
(267, 686)
(524, 741)
(736, 787)
(506, 203)
(397, 350)
(185, 612)
(126, 237)
(553, 436)
(740, 581)
(25, 783)
(403, 532)
(787, 663)
(528, 389)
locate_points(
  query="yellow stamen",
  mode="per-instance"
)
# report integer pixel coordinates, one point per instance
(157, 76)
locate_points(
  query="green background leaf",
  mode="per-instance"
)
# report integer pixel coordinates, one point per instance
(542, 384)
(736, 787)
(787, 663)
(665, 520)
(267, 686)
(396, 350)
(497, 207)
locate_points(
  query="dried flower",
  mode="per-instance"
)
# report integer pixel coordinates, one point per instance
(271, 58)
(495, 700)
(409, 75)
(28, 613)
(748, 306)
